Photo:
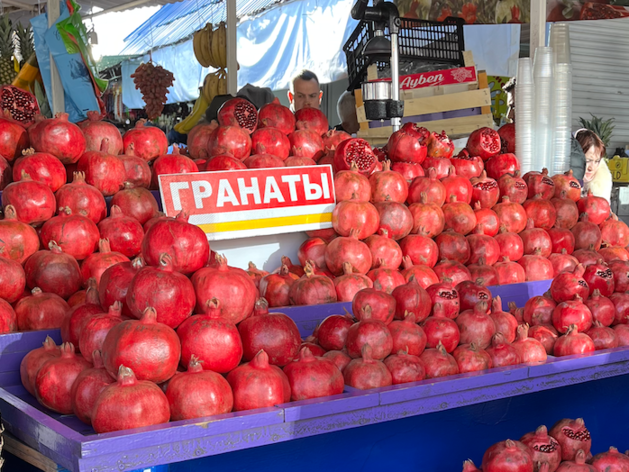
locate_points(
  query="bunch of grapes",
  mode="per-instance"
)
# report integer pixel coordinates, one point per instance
(153, 81)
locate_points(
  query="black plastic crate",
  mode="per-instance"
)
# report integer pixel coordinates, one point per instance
(420, 41)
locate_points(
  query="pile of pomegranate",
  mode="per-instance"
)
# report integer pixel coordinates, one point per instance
(565, 448)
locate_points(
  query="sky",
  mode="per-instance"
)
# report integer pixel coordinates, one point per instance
(112, 28)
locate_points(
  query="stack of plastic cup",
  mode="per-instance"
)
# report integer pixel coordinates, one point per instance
(542, 109)
(524, 100)
(562, 98)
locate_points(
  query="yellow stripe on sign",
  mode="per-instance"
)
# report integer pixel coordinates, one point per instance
(266, 223)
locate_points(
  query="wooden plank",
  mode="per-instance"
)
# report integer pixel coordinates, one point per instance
(29, 455)
(361, 115)
(441, 103)
(452, 126)
(468, 58)
(483, 83)
(372, 72)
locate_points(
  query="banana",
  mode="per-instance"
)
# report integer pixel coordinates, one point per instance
(222, 83)
(222, 44)
(214, 85)
(193, 118)
(196, 46)
(210, 87)
(205, 45)
(216, 48)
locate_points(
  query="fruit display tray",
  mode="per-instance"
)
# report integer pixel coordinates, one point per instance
(233, 439)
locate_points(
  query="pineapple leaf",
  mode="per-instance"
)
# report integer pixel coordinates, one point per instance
(603, 128)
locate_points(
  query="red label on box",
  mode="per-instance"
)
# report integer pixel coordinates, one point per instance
(252, 202)
(461, 75)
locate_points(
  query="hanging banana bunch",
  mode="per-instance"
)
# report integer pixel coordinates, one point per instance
(210, 46)
(214, 84)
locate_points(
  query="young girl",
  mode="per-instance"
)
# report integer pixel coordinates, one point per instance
(597, 177)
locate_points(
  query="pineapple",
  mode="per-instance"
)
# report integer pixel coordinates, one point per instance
(25, 37)
(7, 51)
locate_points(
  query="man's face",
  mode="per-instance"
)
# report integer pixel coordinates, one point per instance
(306, 95)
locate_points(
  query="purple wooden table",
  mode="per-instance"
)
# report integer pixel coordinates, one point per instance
(76, 447)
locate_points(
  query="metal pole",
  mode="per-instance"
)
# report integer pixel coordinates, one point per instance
(396, 123)
(232, 46)
(57, 101)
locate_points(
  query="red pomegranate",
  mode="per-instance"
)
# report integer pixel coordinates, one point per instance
(311, 119)
(129, 403)
(133, 342)
(340, 359)
(185, 243)
(40, 311)
(230, 140)
(354, 150)
(502, 164)
(407, 335)
(610, 460)
(312, 289)
(620, 270)
(506, 323)
(353, 214)
(508, 455)
(445, 294)
(427, 217)
(388, 185)
(239, 112)
(459, 216)
(476, 326)
(421, 249)
(440, 146)
(470, 358)
(198, 140)
(424, 275)
(405, 368)
(369, 331)
(366, 372)
(539, 182)
(545, 448)
(82, 199)
(541, 211)
(441, 330)
(530, 350)
(59, 137)
(148, 141)
(503, 353)
(569, 285)
(76, 235)
(438, 363)
(404, 145)
(385, 252)
(77, 317)
(53, 271)
(348, 249)
(104, 171)
(95, 330)
(214, 341)
(351, 184)
(512, 215)
(332, 138)
(33, 202)
(275, 333)
(382, 306)
(597, 208)
(270, 141)
(586, 234)
(170, 293)
(275, 115)
(483, 247)
(232, 287)
(602, 336)
(507, 136)
(313, 377)
(562, 239)
(484, 191)
(460, 186)
(408, 170)
(115, 281)
(307, 144)
(573, 343)
(34, 360)
(53, 384)
(41, 167)
(621, 304)
(470, 293)
(602, 308)
(440, 164)
(13, 137)
(567, 183)
(563, 262)
(487, 220)
(572, 312)
(174, 163)
(95, 131)
(536, 266)
(467, 166)
(545, 334)
(138, 203)
(514, 187)
(198, 392)
(567, 212)
(276, 287)
(484, 142)
(125, 234)
(615, 232)
(599, 276)
(224, 162)
(485, 272)
(435, 191)
(453, 246)
(455, 271)
(411, 298)
(509, 272)
(257, 384)
(12, 279)
(539, 310)
(332, 331)
(572, 436)
(614, 253)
